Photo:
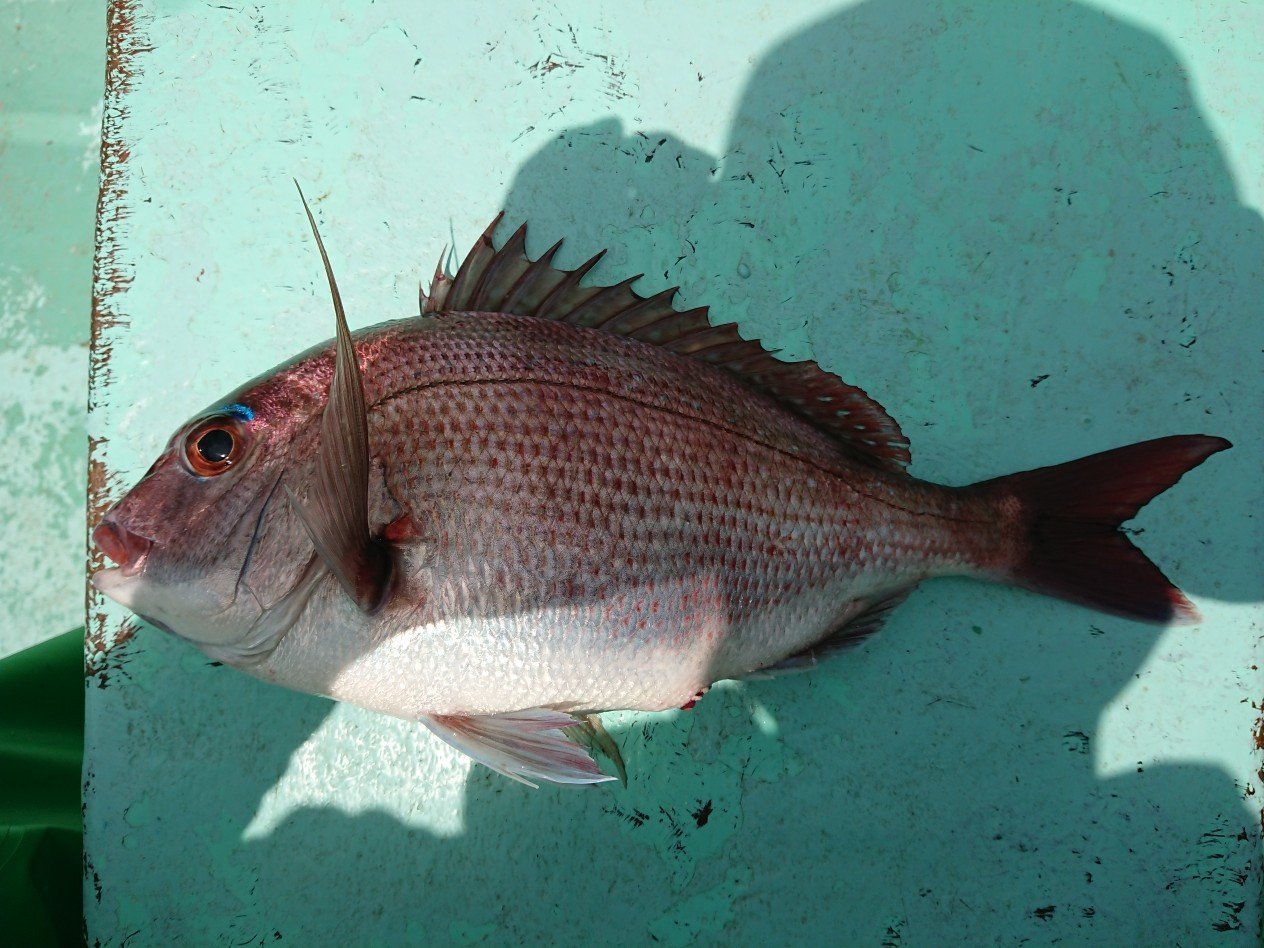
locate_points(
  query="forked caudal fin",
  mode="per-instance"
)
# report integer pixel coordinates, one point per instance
(1067, 516)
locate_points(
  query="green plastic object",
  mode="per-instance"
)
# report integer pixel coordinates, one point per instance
(41, 826)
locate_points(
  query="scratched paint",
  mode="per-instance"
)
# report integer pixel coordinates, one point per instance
(50, 89)
(45, 389)
(1024, 257)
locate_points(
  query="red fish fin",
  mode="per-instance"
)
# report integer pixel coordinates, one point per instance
(336, 512)
(508, 281)
(521, 745)
(851, 633)
(1073, 548)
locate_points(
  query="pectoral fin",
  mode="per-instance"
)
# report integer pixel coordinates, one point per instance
(336, 513)
(521, 745)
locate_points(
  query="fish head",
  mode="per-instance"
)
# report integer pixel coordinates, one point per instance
(206, 545)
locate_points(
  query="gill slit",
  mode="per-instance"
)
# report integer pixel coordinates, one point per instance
(254, 537)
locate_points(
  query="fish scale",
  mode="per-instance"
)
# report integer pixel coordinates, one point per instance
(638, 506)
(540, 499)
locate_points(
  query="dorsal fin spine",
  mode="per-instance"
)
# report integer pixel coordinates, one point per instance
(433, 301)
(516, 243)
(730, 353)
(577, 316)
(703, 338)
(670, 327)
(624, 322)
(483, 250)
(568, 282)
(509, 281)
(751, 363)
(540, 265)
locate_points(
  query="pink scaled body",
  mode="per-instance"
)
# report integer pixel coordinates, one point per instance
(598, 524)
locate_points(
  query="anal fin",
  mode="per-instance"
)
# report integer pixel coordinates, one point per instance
(522, 745)
(851, 633)
(592, 733)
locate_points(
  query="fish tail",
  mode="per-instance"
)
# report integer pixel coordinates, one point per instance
(1063, 537)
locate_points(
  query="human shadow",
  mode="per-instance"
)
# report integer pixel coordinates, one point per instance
(1011, 224)
(1013, 227)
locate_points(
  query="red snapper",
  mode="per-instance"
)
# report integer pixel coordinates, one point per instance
(538, 500)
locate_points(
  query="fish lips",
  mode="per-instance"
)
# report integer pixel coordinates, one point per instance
(129, 550)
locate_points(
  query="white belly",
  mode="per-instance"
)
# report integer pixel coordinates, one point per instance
(649, 649)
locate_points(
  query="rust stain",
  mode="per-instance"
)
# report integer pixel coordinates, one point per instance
(104, 654)
(99, 482)
(111, 275)
(1258, 736)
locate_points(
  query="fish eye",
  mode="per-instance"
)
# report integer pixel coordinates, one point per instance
(214, 446)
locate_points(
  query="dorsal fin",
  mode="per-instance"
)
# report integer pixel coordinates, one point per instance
(508, 281)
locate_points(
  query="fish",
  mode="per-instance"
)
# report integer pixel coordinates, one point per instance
(541, 499)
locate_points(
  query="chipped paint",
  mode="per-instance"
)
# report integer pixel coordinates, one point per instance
(112, 274)
(49, 89)
(104, 634)
(41, 436)
(1255, 787)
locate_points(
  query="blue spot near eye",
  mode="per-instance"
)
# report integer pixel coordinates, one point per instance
(241, 411)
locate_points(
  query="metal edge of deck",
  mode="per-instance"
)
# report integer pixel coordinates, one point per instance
(111, 275)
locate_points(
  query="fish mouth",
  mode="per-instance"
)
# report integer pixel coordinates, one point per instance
(129, 550)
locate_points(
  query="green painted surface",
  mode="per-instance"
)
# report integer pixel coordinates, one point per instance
(52, 65)
(1031, 231)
